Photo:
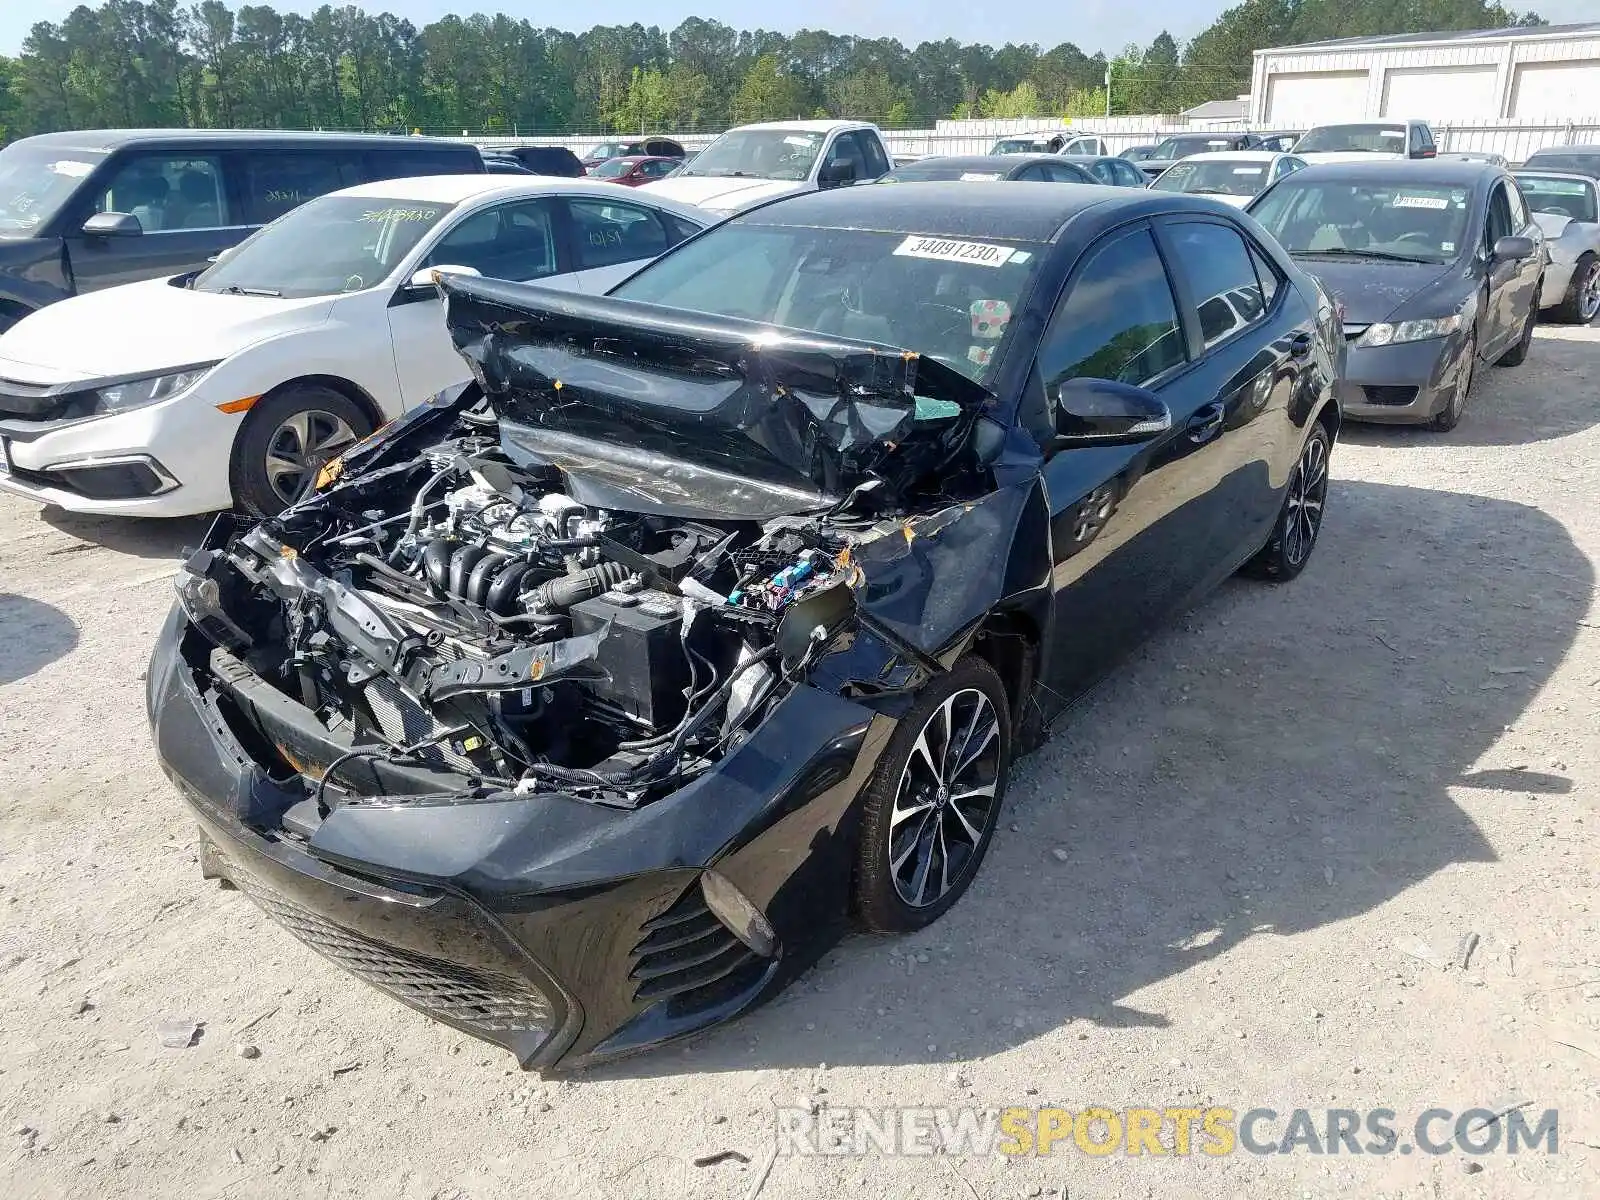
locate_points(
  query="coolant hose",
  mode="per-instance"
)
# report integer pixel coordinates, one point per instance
(561, 594)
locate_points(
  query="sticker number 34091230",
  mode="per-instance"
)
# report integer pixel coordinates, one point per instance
(978, 253)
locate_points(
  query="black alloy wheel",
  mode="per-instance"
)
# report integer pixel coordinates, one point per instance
(930, 810)
(1294, 533)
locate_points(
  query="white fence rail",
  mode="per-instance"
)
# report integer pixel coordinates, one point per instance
(1512, 138)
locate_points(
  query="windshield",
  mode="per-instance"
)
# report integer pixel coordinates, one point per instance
(326, 246)
(1582, 163)
(1221, 178)
(1374, 139)
(1562, 197)
(1139, 153)
(759, 153)
(1411, 222)
(614, 169)
(948, 299)
(1020, 145)
(937, 173)
(35, 182)
(1182, 147)
(603, 150)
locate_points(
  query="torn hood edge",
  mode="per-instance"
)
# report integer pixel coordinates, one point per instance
(615, 384)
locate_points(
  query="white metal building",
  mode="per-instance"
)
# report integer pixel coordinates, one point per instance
(1532, 74)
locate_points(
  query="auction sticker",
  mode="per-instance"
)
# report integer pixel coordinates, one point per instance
(979, 253)
(1435, 202)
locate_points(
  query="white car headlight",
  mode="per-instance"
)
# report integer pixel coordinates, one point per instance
(1385, 334)
(137, 393)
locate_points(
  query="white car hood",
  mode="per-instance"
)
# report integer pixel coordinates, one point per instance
(1337, 156)
(143, 328)
(725, 193)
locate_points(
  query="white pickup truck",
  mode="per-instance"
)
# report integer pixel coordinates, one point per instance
(753, 163)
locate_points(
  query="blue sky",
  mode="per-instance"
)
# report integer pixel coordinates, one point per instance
(1092, 24)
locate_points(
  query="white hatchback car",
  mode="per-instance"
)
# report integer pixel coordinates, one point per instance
(233, 385)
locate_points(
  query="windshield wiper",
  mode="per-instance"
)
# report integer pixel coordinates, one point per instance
(1210, 191)
(1341, 252)
(233, 289)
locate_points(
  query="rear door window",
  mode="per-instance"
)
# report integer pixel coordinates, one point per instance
(399, 164)
(605, 233)
(1215, 262)
(169, 192)
(271, 183)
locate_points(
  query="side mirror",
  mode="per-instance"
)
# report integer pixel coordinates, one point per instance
(837, 174)
(1101, 412)
(424, 277)
(112, 224)
(1513, 249)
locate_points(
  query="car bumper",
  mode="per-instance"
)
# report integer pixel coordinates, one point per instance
(1403, 385)
(563, 931)
(167, 460)
(1557, 282)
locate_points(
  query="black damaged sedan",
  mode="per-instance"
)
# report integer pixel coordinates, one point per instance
(584, 705)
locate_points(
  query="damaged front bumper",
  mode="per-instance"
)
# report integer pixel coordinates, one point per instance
(564, 931)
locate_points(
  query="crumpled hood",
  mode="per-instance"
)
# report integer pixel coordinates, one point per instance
(654, 409)
(725, 193)
(146, 327)
(1372, 291)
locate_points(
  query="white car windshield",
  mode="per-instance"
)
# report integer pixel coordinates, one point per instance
(1373, 139)
(329, 245)
(758, 153)
(1220, 178)
(1560, 197)
(35, 182)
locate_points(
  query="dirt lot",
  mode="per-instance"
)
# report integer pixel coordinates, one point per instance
(1278, 824)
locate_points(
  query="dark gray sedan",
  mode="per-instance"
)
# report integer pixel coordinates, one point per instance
(1438, 266)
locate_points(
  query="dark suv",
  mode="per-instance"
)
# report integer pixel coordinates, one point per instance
(88, 210)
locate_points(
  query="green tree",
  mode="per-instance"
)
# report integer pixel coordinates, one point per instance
(766, 93)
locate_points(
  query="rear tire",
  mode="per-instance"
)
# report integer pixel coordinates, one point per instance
(1299, 522)
(285, 441)
(1582, 300)
(930, 809)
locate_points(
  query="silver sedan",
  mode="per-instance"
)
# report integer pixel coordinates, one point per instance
(1567, 208)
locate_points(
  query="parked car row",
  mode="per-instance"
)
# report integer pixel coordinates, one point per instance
(582, 530)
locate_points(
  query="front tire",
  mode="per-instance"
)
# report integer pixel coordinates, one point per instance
(930, 809)
(1294, 533)
(1582, 300)
(1449, 416)
(285, 441)
(1518, 354)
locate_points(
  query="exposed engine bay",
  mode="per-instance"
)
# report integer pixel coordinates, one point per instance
(463, 613)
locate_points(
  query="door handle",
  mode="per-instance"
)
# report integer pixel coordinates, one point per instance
(1206, 423)
(1299, 343)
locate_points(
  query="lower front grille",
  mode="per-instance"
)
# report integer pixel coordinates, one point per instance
(688, 954)
(465, 996)
(1395, 397)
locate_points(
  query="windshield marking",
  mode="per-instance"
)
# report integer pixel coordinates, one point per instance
(1437, 203)
(399, 214)
(978, 253)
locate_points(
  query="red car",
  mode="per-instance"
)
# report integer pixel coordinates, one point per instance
(635, 169)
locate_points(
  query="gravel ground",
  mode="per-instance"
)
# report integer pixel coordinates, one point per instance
(1237, 876)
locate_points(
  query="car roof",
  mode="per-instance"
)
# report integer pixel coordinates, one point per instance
(1008, 210)
(113, 139)
(1237, 156)
(1582, 149)
(1084, 158)
(1575, 176)
(1449, 172)
(983, 162)
(458, 189)
(800, 126)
